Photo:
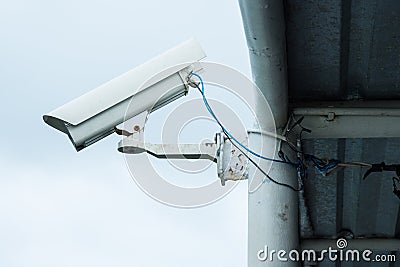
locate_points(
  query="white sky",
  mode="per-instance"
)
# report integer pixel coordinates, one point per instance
(62, 208)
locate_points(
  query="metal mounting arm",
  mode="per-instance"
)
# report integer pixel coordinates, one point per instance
(131, 145)
(231, 164)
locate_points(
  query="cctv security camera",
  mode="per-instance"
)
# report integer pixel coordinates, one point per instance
(94, 115)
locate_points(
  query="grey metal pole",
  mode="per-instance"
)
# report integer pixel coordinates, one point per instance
(273, 209)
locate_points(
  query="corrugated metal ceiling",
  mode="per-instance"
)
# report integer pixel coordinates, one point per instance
(347, 50)
(340, 50)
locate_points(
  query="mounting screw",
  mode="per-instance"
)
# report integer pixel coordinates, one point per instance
(136, 128)
(331, 116)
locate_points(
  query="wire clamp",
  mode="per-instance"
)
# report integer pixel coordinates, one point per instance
(381, 167)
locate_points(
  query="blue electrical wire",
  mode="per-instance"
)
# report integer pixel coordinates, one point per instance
(227, 132)
(324, 167)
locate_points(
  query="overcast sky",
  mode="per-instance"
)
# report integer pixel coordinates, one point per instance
(63, 208)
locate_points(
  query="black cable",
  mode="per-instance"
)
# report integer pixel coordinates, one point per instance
(323, 166)
(299, 136)
(396, 191)
(249, 158)
(223, 127)
(262, 171)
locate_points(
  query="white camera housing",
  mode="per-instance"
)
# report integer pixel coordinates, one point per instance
(94, 115)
